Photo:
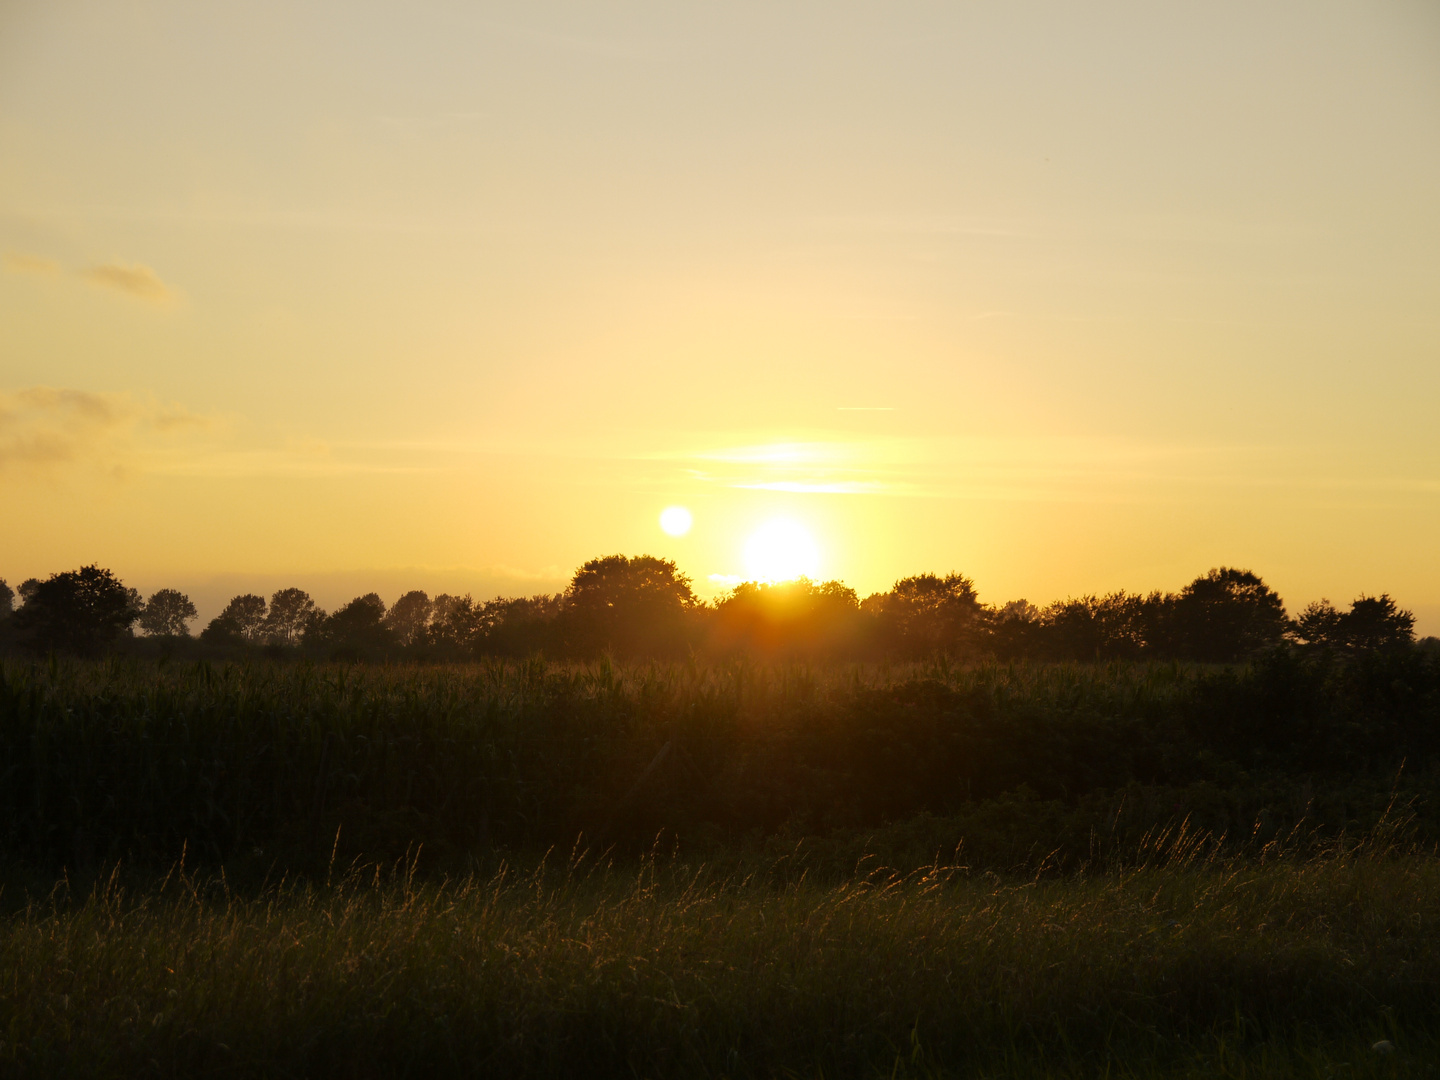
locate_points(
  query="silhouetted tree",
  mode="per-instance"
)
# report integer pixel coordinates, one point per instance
(7, 609)
(166, 614)
(358, 627)
(27, 589)
(408, 619)
(243, 620)
(1070, 630)
(521, 626)
(1016, 630)
(799, 618)
(78, 611)
(1118, 626)
(1075, 629)
(291, 613)
(1373, 622)
(926, 614)
(457, 626)
(1319, 624)
(630, 606)
(1227, 615)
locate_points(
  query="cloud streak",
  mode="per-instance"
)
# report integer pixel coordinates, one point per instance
(133, 279)
(46, 427)
(18, 262)
(1034, 469)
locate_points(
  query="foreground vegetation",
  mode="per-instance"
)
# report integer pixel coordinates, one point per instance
(1187, 963)
(258, 765)
(289, 869)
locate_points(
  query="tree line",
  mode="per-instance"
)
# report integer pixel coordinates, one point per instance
(644, 607)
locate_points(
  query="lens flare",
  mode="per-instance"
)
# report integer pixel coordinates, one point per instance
(781, 550)
(676, 520)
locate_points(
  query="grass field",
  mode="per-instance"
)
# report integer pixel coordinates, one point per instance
(125, 761)
(1120, 870)
(1190, 964)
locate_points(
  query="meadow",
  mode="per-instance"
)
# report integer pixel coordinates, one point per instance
(1185, 964)
(286, 869)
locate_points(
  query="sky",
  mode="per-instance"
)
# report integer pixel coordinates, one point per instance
(1068, 298)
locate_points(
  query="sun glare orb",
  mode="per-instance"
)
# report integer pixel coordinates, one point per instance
(781, 550)
(676, 520)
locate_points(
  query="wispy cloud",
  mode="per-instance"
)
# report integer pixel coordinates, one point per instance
(19, 262)
(823, 487)
(293, 461)
(135, 280)
(132, 279)
(43, 427)
(1024, 469)
(813, 466)
(779, 453)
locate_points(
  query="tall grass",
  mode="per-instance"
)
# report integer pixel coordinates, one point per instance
(1123, 870)
(259, 762)
(262, 762)
(1189, 962)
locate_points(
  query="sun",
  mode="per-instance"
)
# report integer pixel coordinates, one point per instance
(676, 520)
(780, 550)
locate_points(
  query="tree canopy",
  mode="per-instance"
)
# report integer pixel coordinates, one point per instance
(291, 613)
(643, 606)
(77, 611)
(1227, 615)
(167, 614)
(926, 614)
(1373, 622)
(629, 606)
(243, 620)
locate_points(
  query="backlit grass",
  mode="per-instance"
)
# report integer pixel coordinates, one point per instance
(1190, 963)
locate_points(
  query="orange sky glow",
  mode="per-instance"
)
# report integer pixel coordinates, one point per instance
(1068, 298)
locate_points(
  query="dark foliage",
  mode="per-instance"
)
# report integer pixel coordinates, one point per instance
(356, 630)
(241, 621)
(134, 761)
(643, 607)
(1225, 616)
(167, 614)
(407, 620)
(928, 615)
(291, 616)
(793, 619)
(79, 612)
(1373, 622)
(628, 607)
